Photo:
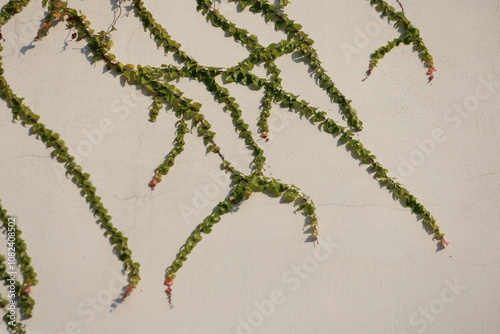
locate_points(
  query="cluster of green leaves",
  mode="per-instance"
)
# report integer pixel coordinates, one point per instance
(10, 9)
(161, 36)
(169, 161)
(265, 112)
(55, 13)
(410, 35)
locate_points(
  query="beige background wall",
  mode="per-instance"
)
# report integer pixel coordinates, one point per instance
(375, 271)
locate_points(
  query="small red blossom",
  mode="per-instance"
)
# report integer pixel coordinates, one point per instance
(430, 78)
(152, 184)
(27, 290)
(444, 242)
(169, 281)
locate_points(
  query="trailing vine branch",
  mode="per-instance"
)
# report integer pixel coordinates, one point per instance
(169, 161)
(410, 35)
(118, 14)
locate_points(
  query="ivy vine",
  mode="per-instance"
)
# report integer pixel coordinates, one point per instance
(410, 35)
(158, 82)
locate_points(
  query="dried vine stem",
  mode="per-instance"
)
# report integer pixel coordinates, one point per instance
(400, 5)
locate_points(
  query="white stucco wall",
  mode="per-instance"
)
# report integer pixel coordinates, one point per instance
(382, 274)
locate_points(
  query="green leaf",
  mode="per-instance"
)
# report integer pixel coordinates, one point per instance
(254, 186)
(197, 236)
(244, 3)
(290, 196)
(191, 114)
(210, 148)
(308, 209)
(196, 106)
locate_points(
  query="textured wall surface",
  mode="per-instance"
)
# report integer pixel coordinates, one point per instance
(375, 270)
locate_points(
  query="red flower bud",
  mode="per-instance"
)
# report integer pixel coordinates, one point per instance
(152, 184)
